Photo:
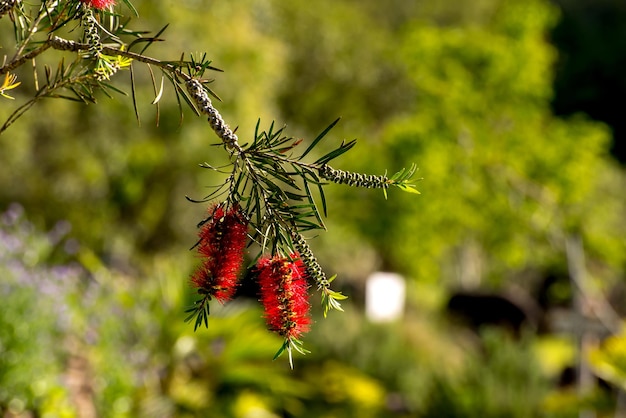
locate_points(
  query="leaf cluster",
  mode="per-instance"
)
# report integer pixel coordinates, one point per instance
(102, 43)
(279, 191)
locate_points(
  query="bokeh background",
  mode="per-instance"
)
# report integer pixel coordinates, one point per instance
(513, 257)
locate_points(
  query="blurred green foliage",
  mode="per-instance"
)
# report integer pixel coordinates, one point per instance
(463, 90)
(510, 180)
(30, 321)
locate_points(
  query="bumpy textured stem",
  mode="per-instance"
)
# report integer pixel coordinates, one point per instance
(201, 97)
(6, 6)
(353, 179)
(91, 31)
(310, 261)
(63, 44)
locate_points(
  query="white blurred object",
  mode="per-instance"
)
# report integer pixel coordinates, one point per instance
(384, 297)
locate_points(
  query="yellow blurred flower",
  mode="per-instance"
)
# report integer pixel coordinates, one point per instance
(609, 360)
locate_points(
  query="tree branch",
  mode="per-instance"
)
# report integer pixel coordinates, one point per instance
(21, 60)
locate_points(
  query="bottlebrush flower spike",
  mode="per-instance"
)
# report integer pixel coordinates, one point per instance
(284, 296)
(221, 245)
(99, 4)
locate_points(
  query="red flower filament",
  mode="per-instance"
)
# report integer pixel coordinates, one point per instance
(222, 242)
(99, 4)
(284, 296)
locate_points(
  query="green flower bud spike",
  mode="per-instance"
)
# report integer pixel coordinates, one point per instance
(330, 298)
(400, 180)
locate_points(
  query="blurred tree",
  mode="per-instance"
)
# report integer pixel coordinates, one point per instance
(323, 48)
(511, 180)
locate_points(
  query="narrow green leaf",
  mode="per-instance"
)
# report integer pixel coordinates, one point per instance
(409, 188)
(159, 94)
(319, 138)
(115, 89)
(182, 92)
(155, 38)
(335, 305)
(312, 202)
(294, 196)
(131, 7)
(133, 91)
(194, 313)
(281, 349)
(336, 153)
(337, 295)
(256, 132)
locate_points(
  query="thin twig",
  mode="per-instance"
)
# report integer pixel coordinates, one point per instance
(67, 45)
(13, 64)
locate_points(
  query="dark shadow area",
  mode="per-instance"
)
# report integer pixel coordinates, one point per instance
(591, 39)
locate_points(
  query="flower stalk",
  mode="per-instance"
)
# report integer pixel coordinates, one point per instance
(330, 298)
(92, 37)
(202, 100)
(353, 179)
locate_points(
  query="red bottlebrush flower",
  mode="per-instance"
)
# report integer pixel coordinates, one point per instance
(284, 295)
(99, 4)
(221, 245)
